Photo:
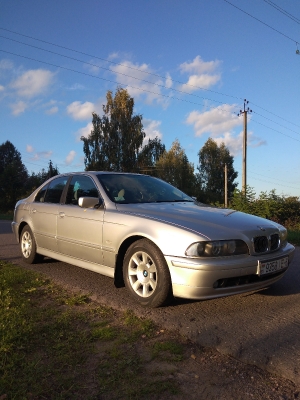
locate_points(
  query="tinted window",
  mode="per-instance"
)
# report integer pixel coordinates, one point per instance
(81, 186)
(55, 189)
(127, 188)
(41, 194)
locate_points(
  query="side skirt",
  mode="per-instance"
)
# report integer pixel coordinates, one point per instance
(99, 268)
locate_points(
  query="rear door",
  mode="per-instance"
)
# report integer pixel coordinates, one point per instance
(44, 212)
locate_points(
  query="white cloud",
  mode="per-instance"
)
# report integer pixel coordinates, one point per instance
(139, 81)
(39, 154)
(18, 108)
(93, 67)
(6, 64)
(202, 74)
(81, 111)
(42, 154)
(70, 157)
(151, 128)
(217, 120)
(33, 82)
(235, 143)
(52, 110)
(169, 81)
(85, 131)
(199, 66)
(219, 123)
(2, 88)
(203, 81)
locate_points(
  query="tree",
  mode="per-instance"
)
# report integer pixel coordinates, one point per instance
(150, 154)
(13, 176)
(212, 160)
(35, 180)
(116, 138)
(174, 167)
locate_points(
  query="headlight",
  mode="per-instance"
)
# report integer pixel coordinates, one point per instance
(283, 236)
(219, 248)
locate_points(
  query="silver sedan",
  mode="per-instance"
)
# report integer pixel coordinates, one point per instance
(145, 233)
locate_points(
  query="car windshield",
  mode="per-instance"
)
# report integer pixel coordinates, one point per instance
(127, 189)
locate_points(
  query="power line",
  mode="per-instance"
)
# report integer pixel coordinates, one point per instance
(109, 61)
(133, 87)
(268, 181)
(130, 67)
(118, 73)
(115, 82)
(282, 11)
(275, 130)
(298, 133)
(269, 26)
(275, 115)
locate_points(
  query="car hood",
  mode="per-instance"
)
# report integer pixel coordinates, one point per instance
(212, 222)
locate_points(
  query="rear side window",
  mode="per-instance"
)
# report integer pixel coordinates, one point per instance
(81, 186)
(52, 192)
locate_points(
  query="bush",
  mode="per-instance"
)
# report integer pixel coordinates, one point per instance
(281, 209)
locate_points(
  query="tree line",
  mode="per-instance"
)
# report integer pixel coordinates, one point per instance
(117, 143)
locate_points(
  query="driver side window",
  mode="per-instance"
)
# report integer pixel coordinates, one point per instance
(80, 186)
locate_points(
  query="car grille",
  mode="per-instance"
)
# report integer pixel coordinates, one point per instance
(264, 244)
(244, 280)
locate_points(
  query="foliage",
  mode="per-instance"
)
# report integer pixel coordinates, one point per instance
(281, 209)
(13, 174)
(36, 180)
(116, 138)
(212, 161)
(174, 167)
(15, 182)
(149, 155)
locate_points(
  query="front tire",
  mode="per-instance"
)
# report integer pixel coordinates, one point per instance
(28, 246)
(146, 274)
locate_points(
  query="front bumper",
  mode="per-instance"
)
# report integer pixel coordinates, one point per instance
(200, 278)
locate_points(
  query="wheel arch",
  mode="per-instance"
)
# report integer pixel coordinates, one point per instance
(21, 226)
(118, 278)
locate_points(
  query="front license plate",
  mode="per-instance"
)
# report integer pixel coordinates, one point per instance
(270, 267)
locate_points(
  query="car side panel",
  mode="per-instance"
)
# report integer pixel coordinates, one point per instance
(43, 218)
(79, 233)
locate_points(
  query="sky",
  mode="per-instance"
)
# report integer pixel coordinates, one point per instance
(189, 65)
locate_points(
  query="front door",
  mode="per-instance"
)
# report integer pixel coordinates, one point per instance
(79, 230)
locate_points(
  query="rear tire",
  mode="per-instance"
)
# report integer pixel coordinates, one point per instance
(146, 274)
(28, 246)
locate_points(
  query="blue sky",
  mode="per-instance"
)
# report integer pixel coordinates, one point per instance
(188, 64)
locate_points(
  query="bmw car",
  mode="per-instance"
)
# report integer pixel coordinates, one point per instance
(150, 236)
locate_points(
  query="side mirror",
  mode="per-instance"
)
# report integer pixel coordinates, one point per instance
(90, 202)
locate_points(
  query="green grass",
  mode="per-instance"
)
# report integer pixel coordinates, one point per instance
(7, 215)
(59, 345)
(294, 237)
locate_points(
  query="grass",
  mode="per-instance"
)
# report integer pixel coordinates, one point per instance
(8, 216)
(294, 237)
(59, 345)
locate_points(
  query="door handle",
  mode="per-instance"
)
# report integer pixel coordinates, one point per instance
(33, 211)
(62, 215)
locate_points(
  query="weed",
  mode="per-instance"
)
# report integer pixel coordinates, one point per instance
(171, 350)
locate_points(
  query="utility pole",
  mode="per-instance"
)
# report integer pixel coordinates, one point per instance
(244, 173)
(226, 189)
